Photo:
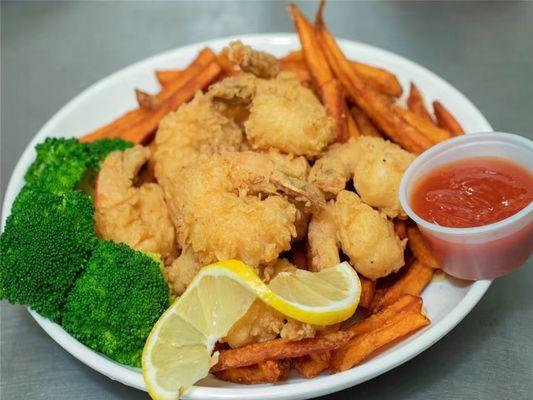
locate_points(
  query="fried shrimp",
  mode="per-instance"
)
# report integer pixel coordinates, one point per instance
(259, 63)
(364, 235)
(228, 206)
(283, 114)
(376, 166)
(196, 128)
(262, 323)
(137, 216)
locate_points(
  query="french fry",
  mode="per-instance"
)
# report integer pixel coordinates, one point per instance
(135, 117)
(279, 349)
(265, 372)
(420, 247)
(164, 77)
(333, 99)
(351, 127)
(147, 101)
(368, 289)
(446, 120)
(379, 79)
(225, 63)
(330, 90)
(315, 59)
(379, 319)
(293, 56)
(114, 128)
(429, 129)
(313, 364)
(204, 58)
(365, 125)
(376, 105)
(413, 282)
(142, 131)
(415, 104)
(400, 228)
(365, 345)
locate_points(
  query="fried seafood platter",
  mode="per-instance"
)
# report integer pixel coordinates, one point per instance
(273, 182)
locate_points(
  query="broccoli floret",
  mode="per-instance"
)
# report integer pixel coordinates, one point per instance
(59, 165)
(62, 163)
(101, 148)
(45, 245)
(116, 302)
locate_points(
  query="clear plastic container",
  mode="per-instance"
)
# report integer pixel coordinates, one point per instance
(483, 252)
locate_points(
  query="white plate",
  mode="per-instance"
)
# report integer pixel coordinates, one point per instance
(447, 301)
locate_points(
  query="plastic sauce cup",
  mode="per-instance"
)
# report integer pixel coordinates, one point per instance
(483, 252)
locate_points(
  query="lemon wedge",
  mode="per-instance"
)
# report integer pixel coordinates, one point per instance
(178, 350)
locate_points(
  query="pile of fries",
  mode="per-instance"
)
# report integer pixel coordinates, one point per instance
(362, 99)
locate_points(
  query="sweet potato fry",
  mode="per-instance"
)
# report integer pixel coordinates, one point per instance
(365, 125)
(265, 372)
(413, 282)
(132, 118)
(330, 90)
(379, 79)
(400, 228)
(313, 364)
(164, 77)
(420, 247)
(351, 127)
(333, 99)
(204, 58)
(368, 289)
(446, 120)
(142, 131)
(429, 129)
(315, 59)
(293, 56)
(147, 101)
(365, 345)
(279, 349)
(114, 128)
(225, 63)
(376, 105)
(379, 319)
(415, 104)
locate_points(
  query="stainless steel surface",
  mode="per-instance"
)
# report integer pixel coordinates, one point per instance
(52, 51)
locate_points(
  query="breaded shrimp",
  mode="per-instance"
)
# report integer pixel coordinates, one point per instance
(137, 216)
(364, 235)
(195, 128)
(228, 207)
(283, 114)
(259, 63)
(376, 165)
(262, 323)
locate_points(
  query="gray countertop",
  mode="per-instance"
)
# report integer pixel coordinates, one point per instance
(52, 51)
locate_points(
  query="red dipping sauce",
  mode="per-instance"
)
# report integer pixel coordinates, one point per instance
(473, 192)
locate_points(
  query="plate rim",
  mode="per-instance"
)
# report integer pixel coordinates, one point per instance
(305, 389)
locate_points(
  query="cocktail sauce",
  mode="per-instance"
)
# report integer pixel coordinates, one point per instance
(473, 192)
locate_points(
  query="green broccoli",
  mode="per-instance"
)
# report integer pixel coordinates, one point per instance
(45, 245)
(63, 163)
(116, 302)
(99, 149)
